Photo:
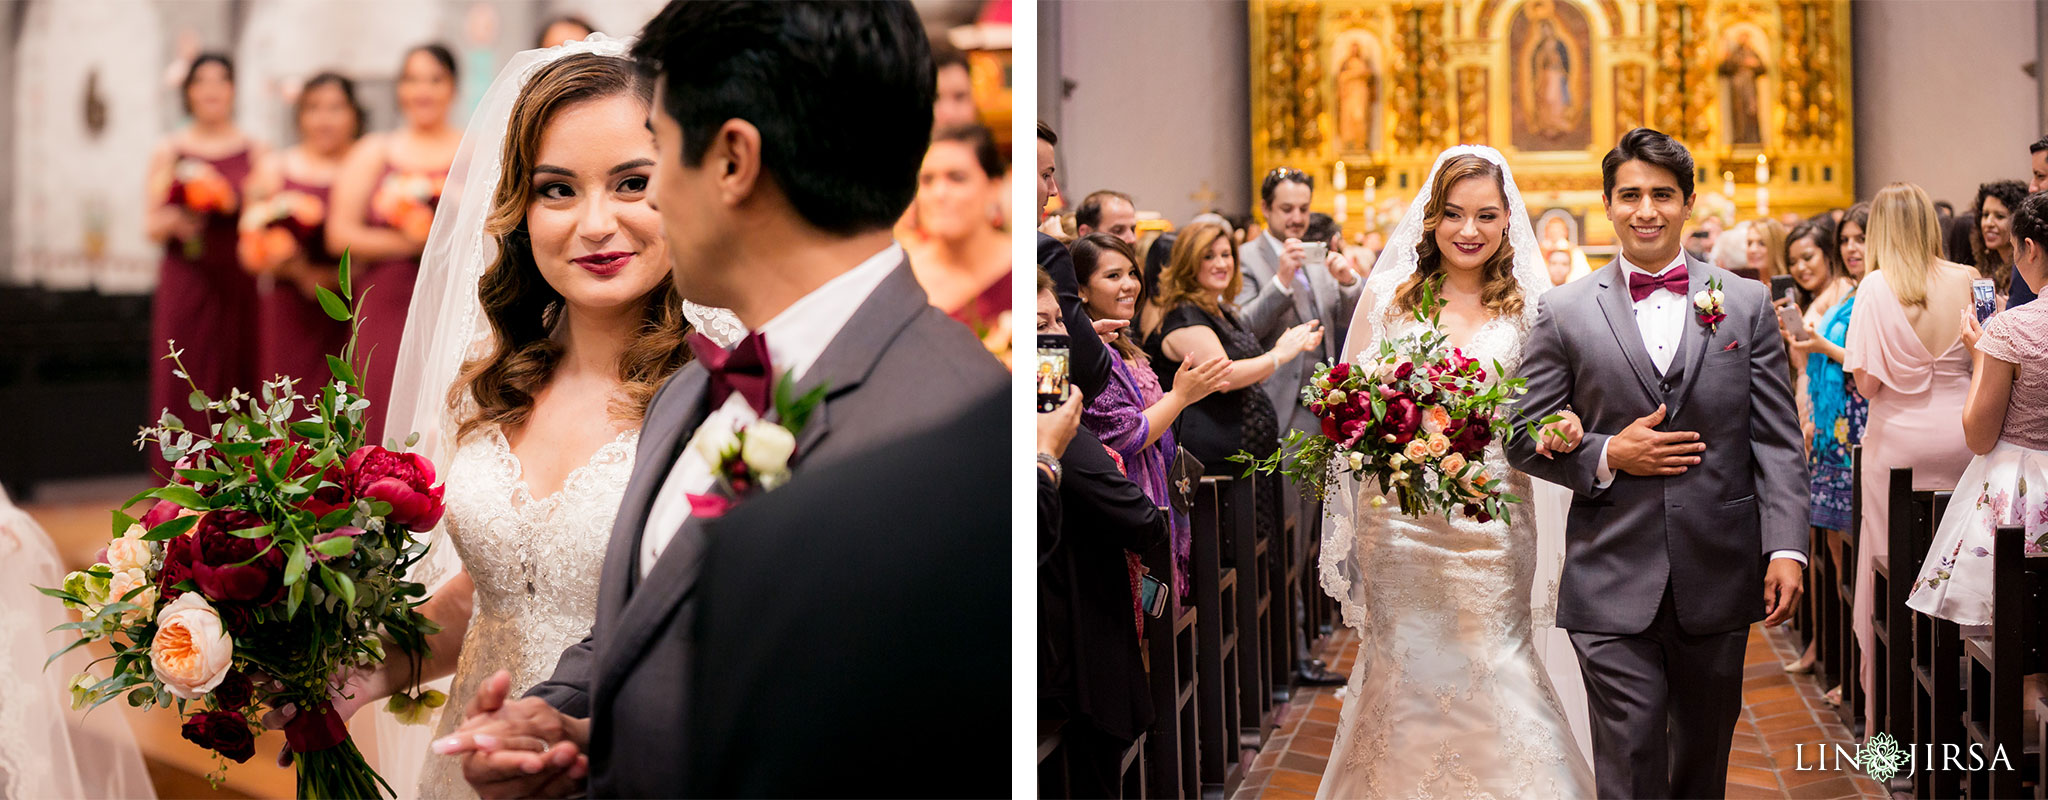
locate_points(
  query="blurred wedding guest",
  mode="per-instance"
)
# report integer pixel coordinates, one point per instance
(205, 302)
(960, 256)
(1700, 243)
(2005, 422)
(1097, 678)
(382, 209)
(48, 748)
(1993, 244)
(1108, 211)
(284, 233)
(1200, 324)
(1133, 415)
(565, 28)
(1830, 414)
(2037, 156)
(955, 104)
(1959, 239)
(1150, 313)
(1908, 361)
(1850, 241)
(1764, 253)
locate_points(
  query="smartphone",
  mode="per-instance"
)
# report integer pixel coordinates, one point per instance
(1052, 371)
(1984, 293)
(1152, 595)
(1784, 288)
(1314, 252)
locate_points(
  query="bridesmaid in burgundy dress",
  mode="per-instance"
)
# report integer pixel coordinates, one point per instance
(204, 301)
(284, 234)
(958, 251)
(383, 203)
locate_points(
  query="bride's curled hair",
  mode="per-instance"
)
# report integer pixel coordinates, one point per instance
(523, 309)
(1499, 291)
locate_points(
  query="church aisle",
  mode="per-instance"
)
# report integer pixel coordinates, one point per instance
(1780, 712)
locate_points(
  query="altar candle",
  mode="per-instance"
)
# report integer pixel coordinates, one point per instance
(1371, 190)
(1763, 170)
(1339, 210)
(1728, 184)
(1337, 176)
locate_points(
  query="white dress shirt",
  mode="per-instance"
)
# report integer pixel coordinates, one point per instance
(795, 337)
(1660, 318)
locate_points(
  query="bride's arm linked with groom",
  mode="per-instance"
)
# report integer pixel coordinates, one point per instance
(790, 641)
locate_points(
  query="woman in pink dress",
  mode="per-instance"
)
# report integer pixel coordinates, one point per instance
(383, 204)
(204, 301)
(2006, 424)
(284, 234)
(1908, 361)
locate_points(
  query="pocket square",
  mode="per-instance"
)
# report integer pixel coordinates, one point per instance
(1731, 346)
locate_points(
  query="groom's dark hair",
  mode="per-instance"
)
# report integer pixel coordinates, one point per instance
(841, 92)
(1650, 147)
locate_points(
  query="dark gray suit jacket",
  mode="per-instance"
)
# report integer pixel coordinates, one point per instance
(898, 367)
(1267, 312)
(1707, 532)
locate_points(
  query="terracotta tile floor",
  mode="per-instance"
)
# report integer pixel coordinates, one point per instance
(1780, 711)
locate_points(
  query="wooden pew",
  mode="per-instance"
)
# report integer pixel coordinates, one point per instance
(1994, 714)
(1250, 552)
(1927, 688)
(1888, 655)
(1052, 761)
(1847, 669)
(1173, 753)
(1219, 768)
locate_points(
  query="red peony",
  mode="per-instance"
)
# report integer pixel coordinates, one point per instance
(216, 560)
(1403, 418)
(324, 500)
(164, 511)
(224, 732)
(1406, 369)
(234, 691)
(1338, 373)
(404, 480)
(1469, 437)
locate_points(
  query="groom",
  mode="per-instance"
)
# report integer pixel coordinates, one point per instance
(1688, 520)
(790, 137)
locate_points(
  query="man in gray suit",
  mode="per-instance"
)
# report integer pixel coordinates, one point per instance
(1689, 515)
(1281, 291)
(776, 204)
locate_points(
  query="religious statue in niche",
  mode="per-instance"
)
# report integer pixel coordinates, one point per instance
(1357, 92)
(1744, 68)
(1550, 42)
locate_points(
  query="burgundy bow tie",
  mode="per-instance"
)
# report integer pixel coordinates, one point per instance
(1641, 285)
(742, 369)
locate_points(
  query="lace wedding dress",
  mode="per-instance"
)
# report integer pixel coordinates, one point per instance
(1448, 697)
(535, 563)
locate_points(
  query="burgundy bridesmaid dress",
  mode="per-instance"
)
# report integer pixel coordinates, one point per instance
(383, 293)
(207, 305)
(297, 335)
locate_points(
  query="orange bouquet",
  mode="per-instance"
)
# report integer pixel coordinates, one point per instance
(278, 228)
(406, 201)
(197, 187)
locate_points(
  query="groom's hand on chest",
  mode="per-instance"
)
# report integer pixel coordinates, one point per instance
(1642, 450)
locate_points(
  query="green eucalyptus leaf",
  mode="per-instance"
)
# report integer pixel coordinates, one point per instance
(331, 303)
(336, 547)
(295, 564)
(183, 496)
(176, 526)
(202, 475)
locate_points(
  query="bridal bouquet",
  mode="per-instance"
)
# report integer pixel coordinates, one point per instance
(1416, 418)
(274, 560)
(275, 229)
(406, 200)
(197, 187)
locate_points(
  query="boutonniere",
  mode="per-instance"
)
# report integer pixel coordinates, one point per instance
(1708, 305)
(755, 456)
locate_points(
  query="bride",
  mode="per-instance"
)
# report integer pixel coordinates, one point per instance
(544, 320)
(1442, 606)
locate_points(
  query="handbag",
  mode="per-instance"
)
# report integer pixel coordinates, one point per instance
(1181, 479)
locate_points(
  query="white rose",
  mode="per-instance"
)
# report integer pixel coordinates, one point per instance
(767, 448)
(129, 580)
(191, 651)
(129, 551)
(1357, 461)
(1718, 297)
(712, 442)
(1703, 299)
(1334, 397)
